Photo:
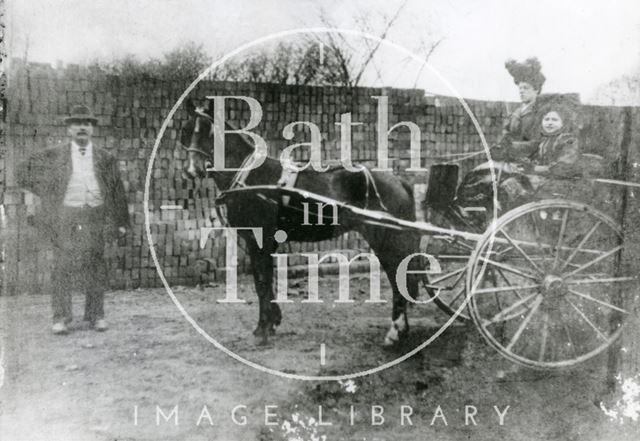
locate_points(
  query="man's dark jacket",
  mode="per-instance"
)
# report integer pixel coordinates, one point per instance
(47, 175)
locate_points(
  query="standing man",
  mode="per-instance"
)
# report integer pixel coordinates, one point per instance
(83, 204)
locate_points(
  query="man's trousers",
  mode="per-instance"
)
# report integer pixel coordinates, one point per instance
(78, 252)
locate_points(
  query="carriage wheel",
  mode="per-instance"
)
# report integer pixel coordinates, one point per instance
(448, 289)
(561, 298)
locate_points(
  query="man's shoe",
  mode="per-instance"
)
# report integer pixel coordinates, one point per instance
(60, 328)
(100, 325)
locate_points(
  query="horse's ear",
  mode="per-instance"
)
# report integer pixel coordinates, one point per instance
(190, 107)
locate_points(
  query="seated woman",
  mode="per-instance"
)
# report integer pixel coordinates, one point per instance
(556, 157)
(558, 153)
(520, 129)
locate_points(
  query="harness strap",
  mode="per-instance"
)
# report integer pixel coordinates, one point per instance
(241, 175)
(370, 182)
(288, 179)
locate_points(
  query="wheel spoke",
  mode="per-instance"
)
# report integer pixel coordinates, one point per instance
(536, 231)
(458, 279)
(500, 315)
(579, 247)
(448, 275)
(545, 334)
(501, 252)
(560, 237)
(594, 281)
(452, 257)
(566, 331)
(593, 262)
(508, 282)
(509, 268)
(505, 288)
(600, 302)
(517, 247)
(525, 322)
(464, 245)
(586, 319)
(494, 280)
(456, 297)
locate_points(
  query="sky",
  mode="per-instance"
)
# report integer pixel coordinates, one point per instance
(581, 44)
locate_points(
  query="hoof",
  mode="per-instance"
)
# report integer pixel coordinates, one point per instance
(265, 330)
(398, 331)
(275, 315)
(389, 342)
(262, 333)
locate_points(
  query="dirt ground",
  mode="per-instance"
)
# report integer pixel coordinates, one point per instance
(118, 385)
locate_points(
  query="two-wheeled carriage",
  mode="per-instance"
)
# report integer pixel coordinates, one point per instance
(542, 282)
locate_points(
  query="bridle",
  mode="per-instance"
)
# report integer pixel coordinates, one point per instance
(240, 176)
(196, 129)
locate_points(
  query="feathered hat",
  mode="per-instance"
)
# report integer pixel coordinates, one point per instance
(529, 72)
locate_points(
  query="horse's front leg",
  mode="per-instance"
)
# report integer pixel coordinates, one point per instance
(269, 315)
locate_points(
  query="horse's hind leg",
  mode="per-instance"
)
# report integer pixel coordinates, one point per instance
(391, 248)
(269, 315)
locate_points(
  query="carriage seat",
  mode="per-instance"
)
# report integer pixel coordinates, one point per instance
(441, 188)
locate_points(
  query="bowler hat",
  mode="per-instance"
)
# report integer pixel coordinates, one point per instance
(80, 113)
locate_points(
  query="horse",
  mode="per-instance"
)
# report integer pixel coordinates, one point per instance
(247, 209)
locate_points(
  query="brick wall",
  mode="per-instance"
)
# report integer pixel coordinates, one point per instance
(132, 111)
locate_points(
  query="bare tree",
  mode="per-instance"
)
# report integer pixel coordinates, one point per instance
(323, 59)
(622, 91)
(185, 62)
(352, 66)
(314, 59)
(299, 63)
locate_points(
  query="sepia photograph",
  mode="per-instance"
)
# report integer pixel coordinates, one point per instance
(319, 220)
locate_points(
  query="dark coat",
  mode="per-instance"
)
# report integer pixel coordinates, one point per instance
(47, 173)
(522, 125)
(561, 153)
(520, 132)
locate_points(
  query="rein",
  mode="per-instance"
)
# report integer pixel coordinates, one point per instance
(242, 173)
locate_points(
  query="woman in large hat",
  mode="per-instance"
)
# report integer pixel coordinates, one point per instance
(521, 128)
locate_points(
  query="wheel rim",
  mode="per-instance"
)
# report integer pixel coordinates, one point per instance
(550, 308)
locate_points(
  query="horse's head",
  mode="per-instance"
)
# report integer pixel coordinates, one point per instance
(197, 138)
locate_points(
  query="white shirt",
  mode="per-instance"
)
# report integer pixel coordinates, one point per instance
(83, 188)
